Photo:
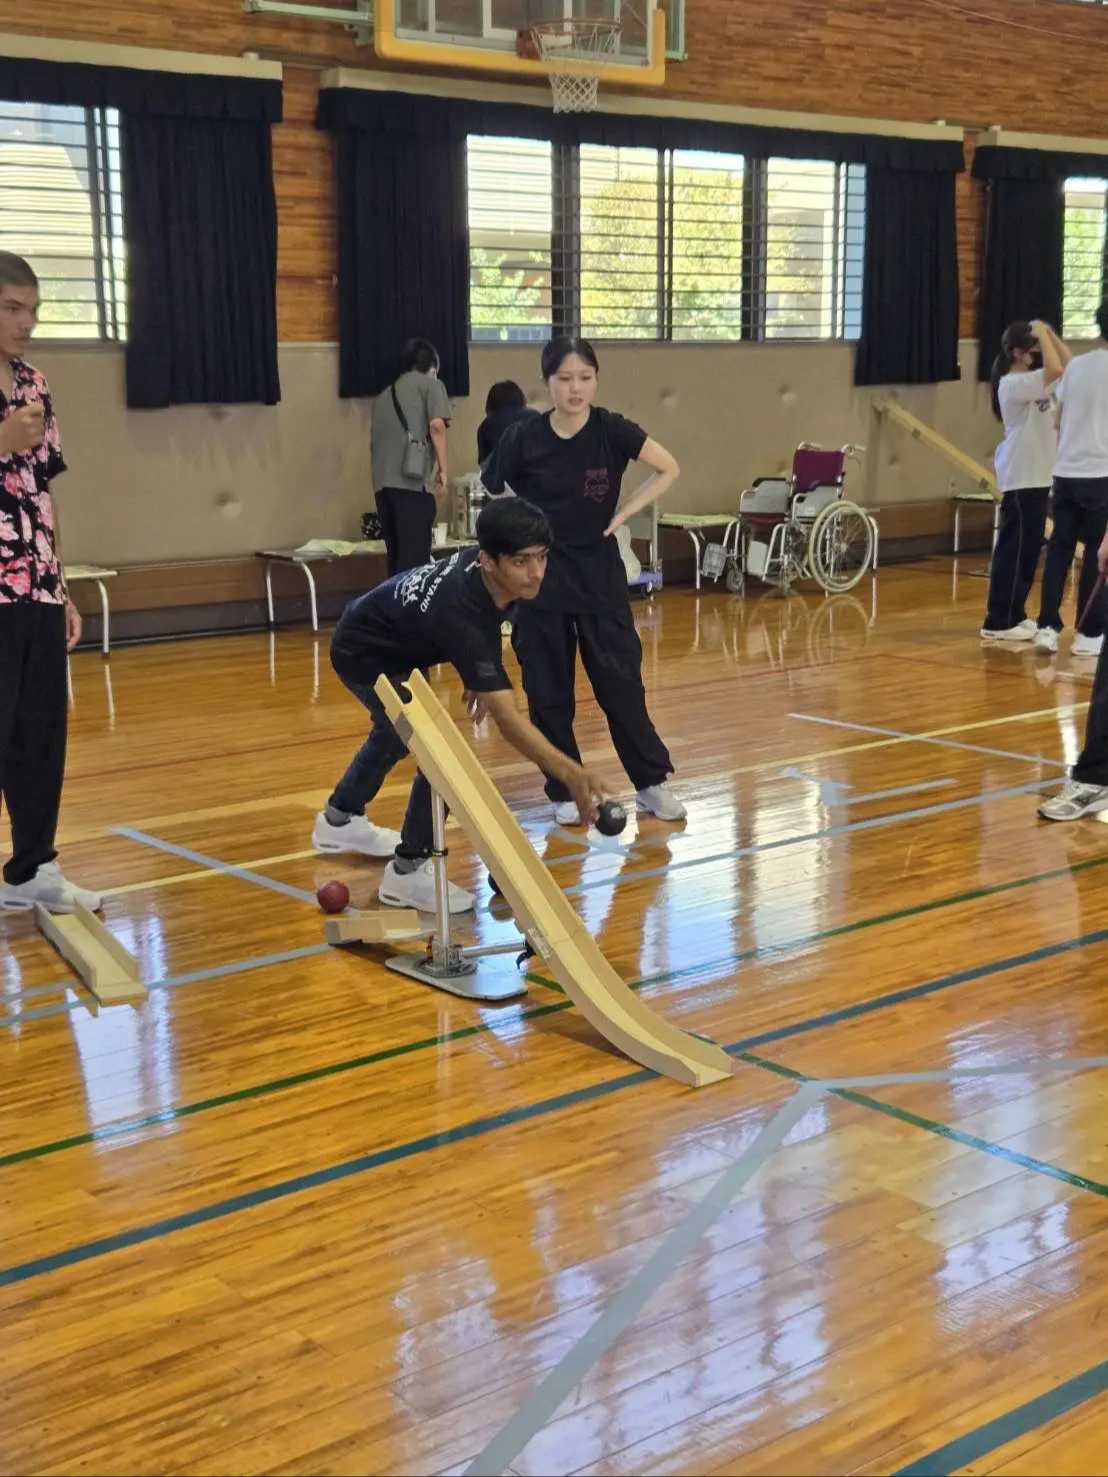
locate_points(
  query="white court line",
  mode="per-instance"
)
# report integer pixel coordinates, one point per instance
(922, 738)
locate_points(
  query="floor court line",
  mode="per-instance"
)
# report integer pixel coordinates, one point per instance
(231, 869)
(556, 1386)
(926, 739)
(764, 951)
(1021, 1421)
(480, 1127)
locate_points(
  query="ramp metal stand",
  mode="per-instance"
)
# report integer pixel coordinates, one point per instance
(549, 922)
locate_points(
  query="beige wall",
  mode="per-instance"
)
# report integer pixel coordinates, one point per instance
(201, 482)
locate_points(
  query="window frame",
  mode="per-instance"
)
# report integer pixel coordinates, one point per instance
(752, 223)
(100, 127)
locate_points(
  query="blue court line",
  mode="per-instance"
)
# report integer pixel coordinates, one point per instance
(481, 1126)
(213, 863)
(1011, 1426)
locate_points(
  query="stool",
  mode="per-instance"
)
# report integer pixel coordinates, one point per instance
(974, 497)
(76, 572)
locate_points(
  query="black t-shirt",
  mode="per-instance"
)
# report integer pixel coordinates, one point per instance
(439, 612)
(576, 481)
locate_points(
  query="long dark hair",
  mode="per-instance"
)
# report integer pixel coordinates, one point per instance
(558, 351)
(1016, 337)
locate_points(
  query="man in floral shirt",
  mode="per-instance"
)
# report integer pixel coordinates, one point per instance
(38, 623)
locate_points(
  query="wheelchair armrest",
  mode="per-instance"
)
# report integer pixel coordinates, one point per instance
(768, 495)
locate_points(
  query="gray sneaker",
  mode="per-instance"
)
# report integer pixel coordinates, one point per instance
(1073, 801)
(660, 800)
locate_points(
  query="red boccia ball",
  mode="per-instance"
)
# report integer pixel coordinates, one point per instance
(333, 896)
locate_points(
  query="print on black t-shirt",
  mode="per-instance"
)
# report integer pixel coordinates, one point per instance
(576, 481)
(440, 612)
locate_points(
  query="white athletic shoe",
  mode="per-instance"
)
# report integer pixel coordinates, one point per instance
(417, 890)
(52, 890)
(566, 813)
(1073, 801)
(1046, 638)
(1025, 631)
(660, 800)
(358, 835)
(1086, 645)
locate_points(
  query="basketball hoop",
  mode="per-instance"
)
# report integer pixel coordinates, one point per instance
(573, 54)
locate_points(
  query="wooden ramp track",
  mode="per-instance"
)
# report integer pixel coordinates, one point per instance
(540, 908)
(920, 431)
(109, 971)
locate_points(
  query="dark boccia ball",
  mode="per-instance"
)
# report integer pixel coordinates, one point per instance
(611, 818)
(333, 896)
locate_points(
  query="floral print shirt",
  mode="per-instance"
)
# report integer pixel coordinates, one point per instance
(29, 567)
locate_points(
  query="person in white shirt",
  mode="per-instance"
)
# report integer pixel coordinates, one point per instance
(1080, 501)
(1032, 359)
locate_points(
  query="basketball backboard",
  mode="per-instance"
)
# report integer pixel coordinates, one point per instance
(483, 35)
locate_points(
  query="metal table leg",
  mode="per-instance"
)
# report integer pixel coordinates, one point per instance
(105, 639)
(269, 589)
(311, 596)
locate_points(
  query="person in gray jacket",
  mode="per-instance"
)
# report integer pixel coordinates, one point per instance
(409, 456)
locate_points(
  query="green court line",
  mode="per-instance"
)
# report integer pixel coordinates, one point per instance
(932, 1125)
(316, 1074)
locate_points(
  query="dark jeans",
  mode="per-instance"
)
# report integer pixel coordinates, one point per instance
(407, 526)
(546, 643)
(1080, 511)
(370, 766)
(1092, 765)
(33, 717)
(1016, 556)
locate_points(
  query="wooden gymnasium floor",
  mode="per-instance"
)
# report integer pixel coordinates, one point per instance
(300, 1215)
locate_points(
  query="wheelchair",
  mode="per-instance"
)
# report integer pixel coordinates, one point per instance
(800, 526)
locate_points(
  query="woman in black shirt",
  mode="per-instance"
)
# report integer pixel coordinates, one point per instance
(570, 462)
(506, 404)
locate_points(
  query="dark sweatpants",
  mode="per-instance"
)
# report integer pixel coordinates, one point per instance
(546, 643)
(407, 526)
(33, 716)
(1080, 511)
(1016, 556)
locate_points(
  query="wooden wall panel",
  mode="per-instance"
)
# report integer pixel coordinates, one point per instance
(966, 64)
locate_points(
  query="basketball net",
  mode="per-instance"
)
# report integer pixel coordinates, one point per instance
(573, 54)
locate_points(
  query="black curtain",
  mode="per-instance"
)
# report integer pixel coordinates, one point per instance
(910, 280)
(200, 217)
(403, 255)
(201, 223)
(1022, 275)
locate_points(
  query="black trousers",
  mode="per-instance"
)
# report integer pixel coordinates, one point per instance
(33, 717)
(1092, 764)
(407, 525)
(546, 643)
(1080, 510)
(1016, 556)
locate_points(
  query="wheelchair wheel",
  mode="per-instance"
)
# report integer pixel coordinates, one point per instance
(734, 579)
(840, 547)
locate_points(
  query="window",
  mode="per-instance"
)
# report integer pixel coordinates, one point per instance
(61, 208)
(814, 235)
(510, 239)
(706, 259)
(1084, 283)
(673, 245)
(613, 241)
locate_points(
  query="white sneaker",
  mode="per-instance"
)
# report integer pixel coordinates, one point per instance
(1025, 631)
(52, 890)
(358, 835)
(566, 813)
(1046, 638)
(417, 890)
(1073, 801)
(660, 801)
(1086, 645)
